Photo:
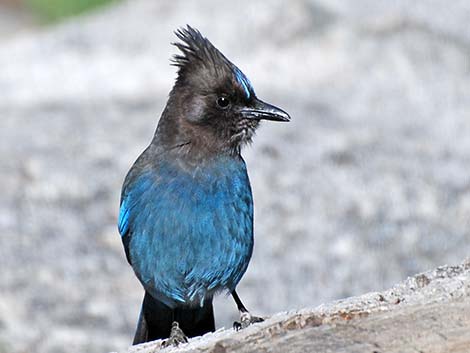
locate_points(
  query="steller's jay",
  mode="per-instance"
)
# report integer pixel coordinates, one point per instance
(186, 214)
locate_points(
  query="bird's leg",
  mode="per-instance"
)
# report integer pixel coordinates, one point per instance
(246, 319)
(177, 336)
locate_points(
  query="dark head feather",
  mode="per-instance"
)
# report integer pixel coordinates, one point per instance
(196, 50)
(193, 112)
(198, 53)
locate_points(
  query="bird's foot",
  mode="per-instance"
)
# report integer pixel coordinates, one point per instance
(246, 319)
(177, 336)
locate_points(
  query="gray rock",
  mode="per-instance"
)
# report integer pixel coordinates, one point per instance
(425, 313)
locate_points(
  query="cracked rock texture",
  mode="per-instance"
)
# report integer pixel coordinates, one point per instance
(368, 184)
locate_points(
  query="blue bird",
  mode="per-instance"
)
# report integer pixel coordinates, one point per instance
(186, 214)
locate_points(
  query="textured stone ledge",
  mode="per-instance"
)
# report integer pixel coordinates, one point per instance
(429, 312)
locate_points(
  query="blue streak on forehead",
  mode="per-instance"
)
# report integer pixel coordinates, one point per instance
(244, 82)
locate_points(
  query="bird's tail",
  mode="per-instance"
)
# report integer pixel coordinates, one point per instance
(156, 318)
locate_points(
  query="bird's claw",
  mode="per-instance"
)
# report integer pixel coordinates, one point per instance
(246, 319)
(177, 336)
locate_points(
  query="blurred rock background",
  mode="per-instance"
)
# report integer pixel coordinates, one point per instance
(368, 184)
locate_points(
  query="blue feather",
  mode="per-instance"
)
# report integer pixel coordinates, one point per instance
(123, 221)
(191, 231)
(244, 82)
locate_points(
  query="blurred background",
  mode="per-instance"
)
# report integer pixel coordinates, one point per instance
(368, 184)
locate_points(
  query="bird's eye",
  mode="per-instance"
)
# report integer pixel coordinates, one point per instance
(223, 102)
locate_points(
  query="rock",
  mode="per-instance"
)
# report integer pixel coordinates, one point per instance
(426, 319)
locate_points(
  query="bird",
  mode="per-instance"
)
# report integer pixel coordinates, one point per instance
(186, 210)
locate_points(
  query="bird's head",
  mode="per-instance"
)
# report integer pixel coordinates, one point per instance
(213, 104)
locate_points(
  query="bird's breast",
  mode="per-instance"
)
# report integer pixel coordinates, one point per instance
(193, 235)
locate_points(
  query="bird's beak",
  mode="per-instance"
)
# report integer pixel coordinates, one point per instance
(260, 110)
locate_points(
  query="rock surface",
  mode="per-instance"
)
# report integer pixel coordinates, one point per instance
(367, 185)
(429, 312)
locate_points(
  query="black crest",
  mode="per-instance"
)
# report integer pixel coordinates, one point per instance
(196, 49)
(199, 53)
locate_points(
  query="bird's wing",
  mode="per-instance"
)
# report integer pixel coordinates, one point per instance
(124, 212)
(132, 193)
(123, 223)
